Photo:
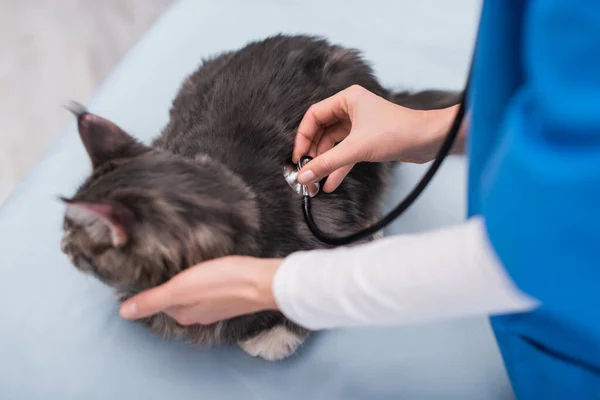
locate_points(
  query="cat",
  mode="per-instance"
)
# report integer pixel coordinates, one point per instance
(211, 184)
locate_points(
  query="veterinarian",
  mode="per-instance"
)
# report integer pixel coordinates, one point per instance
(529, 254)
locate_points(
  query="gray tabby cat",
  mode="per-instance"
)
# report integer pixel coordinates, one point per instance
(212, 183)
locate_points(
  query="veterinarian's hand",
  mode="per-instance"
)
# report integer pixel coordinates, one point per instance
(365, 127)
(210, 292)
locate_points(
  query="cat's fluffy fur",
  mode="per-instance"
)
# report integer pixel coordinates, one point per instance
(212, 183)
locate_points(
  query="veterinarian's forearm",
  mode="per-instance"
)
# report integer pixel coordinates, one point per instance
(439, 123)
(405, 279)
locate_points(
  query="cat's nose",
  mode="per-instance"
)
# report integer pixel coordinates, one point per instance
(64, 241)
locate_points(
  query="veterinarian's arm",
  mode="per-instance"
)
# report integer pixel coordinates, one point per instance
(404, 279)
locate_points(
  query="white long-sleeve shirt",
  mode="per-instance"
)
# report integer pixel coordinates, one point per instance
(406, 279)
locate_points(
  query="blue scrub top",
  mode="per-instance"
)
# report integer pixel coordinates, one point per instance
(534, 174)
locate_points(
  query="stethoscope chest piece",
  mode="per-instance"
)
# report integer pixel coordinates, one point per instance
(290, 172)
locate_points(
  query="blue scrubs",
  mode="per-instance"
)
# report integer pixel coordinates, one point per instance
(534, 174)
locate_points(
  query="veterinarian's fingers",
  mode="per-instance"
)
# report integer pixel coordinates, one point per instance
(334, 180)
(314, 144)
(183, 315)
(149, 302)
(319, 116)
(199, 314)
(334, 135)
(331, 137)
(345, 153)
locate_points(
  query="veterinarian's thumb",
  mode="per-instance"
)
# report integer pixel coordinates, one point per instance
(344, 153)
(146, 303)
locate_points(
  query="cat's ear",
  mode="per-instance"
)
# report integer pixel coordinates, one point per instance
(103, 139)
(103, 222)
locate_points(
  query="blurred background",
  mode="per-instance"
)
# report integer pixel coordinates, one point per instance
(52, 52)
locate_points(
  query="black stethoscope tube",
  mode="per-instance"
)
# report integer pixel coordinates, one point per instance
(408, 200)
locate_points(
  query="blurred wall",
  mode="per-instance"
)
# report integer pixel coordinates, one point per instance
(52, 52)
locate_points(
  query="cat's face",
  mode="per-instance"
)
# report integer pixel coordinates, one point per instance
(145, 214)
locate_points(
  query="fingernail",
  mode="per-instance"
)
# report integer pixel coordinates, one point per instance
(129, 310)
(306, 177)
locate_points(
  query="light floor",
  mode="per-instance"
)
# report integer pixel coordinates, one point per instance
(51, 52)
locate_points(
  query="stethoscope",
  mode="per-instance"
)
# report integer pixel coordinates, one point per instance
(311, 190)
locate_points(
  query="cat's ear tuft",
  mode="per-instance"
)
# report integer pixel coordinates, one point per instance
(104, 222)
(76, 108)
(103, 139)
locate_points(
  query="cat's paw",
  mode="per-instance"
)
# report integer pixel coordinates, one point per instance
(273, 345)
